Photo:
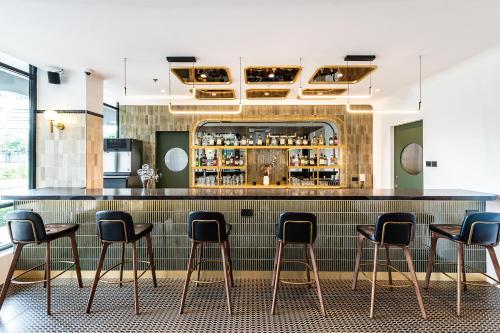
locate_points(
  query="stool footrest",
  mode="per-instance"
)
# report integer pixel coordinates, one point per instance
(124, 281)
(393, 269)
(15, 281)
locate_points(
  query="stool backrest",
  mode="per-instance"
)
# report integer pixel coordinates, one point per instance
(204, 226)
(297, 227)
(395, 228)
(481, 229)
(115, 226)
(25, 226)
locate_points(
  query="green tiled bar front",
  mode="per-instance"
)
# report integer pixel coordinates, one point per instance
(252, 238)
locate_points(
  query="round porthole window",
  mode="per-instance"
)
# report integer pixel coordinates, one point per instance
(176, 159)
(411, 159)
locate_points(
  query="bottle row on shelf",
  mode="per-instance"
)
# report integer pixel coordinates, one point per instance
(212, 160)
(218, 139)
(322, 160)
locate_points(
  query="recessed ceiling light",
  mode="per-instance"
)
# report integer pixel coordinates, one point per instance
(266, 93)
(203, 75)
(320, 93)
(377, 89)
(214, 94)
(163, 91)
(270, 75)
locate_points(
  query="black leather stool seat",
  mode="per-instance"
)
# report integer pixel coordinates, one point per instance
(451, 231)
(59, 230)
(142, 229)
(367, 230)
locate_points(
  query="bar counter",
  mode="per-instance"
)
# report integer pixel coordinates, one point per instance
(253, 214)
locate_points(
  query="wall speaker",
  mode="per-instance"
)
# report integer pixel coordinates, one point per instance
(54, 77)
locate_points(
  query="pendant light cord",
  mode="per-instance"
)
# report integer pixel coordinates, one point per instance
(169, 83)
(241, 74)
(420, 82)
(125, 76)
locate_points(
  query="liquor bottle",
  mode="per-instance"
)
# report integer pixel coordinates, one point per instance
(223, 159)
(335, 139)
(290, 141)
(330, 141)
(312, 160)
(244, 141)
(204, 160)
(211, 141)
(236, 141)
(250, 141)
(197, 161)
(298, 141)
(219, 140)
(334, 158)
(231, 160)
(282, 141)
(259, 140)
(237, 160)
(314, 141)
(268, 140)
(242, 162)
(321, 140)
(274, 141)
(215, 161)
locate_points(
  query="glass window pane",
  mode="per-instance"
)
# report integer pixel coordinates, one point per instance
(110, 123)
(14, 130)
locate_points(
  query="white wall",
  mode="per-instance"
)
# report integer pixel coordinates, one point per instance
(69, 95)
(461, 127)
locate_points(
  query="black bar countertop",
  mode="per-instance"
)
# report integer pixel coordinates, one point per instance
(65, 193)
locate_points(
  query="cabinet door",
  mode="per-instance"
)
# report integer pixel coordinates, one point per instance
(408, 156)
(172, 159)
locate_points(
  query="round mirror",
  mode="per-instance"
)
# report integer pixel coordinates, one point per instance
(411, 159)
(176, 159)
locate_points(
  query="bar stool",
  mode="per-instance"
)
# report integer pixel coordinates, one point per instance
(391, 230)
(115, 227)
(27, 227)
(208, 227)
(481, 229)
(296, 228)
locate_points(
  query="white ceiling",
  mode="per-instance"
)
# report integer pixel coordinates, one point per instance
(98, 34)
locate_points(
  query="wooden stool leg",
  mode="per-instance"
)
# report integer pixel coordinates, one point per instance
(97, 276)
(388, 264)
(122, 261)
(306, 260)
(76, 259)
(464, 277)
(359, 252)
(430, 260)
(277, 275)
(151, 259)
(275, 263)
(200, 258)
(226, 277)
(230, 261)
(459, 277)
(8, 278)
(316, 277)
(188, 275)
(136, 286)
(494, 260)
(413, 277)
(47, 270)
(374, 279)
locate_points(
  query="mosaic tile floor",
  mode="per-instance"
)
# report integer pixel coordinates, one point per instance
(347, 311)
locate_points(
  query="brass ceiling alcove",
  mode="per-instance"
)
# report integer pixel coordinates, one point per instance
(341, 74)
(214, 93)
(203, 75)
(323, 92)
(267, 93)
(272, 74)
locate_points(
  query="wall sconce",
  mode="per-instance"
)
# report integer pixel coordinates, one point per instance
(53, 118)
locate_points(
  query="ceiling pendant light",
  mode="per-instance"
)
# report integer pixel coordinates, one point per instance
(183, 111)
(419, 105)
(162, 96)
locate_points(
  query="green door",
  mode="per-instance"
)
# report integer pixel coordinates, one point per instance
(408, 156)
(172, 159)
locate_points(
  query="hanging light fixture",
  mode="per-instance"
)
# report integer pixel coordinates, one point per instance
(419, 105)
(162, 96)
(182, 111)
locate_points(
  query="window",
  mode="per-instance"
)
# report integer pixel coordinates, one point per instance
(17, 108)
(110, 124)
(14, 129)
